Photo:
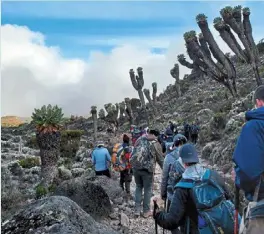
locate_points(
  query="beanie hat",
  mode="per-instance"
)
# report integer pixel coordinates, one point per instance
(125, 138)
(189, 154)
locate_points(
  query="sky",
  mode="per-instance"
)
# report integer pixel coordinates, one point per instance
(78, 54)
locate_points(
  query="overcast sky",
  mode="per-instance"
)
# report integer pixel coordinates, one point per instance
(78, 54)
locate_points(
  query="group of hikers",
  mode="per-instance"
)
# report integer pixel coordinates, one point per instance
(196, 198)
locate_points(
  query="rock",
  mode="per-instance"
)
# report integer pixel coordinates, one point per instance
(89, 196)
(124, 220)
(207, 150)
(15, 168)
(110, 186)
(232, 125)
(64, 173)
(114, 215)
(204, 116)
(76, 172)
(118, 201)
(54, 215)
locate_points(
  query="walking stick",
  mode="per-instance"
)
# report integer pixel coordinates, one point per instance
(165, 208)
(236, 209)
(154, 213)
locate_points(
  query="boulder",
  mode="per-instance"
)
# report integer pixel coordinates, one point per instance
(64, 173)
(207, 150)
(54, 215)
(204, 116)
(89, 195)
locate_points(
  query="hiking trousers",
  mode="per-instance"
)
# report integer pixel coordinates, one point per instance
(105, 172)
(144, 180)
(194, 138)
(126, 178)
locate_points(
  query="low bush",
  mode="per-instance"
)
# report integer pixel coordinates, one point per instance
(219, 120)
(29, 162)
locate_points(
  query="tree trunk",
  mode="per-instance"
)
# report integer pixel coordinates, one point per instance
(249, 36)
(216, 51)
(142, 99)
(49, 144)
(230, 40)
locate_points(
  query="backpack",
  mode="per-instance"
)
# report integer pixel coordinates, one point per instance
(186, 128)
(215, 213)
(120, 157)
(253, 215)
(194, 129)
(175, 174)
(141, 157)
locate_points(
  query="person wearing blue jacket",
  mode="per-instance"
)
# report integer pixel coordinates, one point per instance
(101, 159)
(249, 152)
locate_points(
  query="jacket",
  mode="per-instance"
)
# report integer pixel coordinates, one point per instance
(249, 154)
(156, 151)
(168, 180)
(182, 204)
(100, 158)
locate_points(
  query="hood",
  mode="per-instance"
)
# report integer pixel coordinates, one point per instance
(255, 114)
(150, 138)
(194, 172)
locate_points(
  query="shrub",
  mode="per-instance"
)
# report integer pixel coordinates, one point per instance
(41, 191)
(32, 143)
(70, 142)
(72, 133)
(29, 162)
(219, 120)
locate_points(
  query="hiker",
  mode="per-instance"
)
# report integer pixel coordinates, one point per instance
(200, 194)
(172, 169)
(194, 133)
(249, 165)
(126, 174)
(135, 132)
(168, 141)
(100, 159)
(146, 153)
(173, 127)
(186, 128)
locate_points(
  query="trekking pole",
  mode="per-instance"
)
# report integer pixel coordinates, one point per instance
(236, 209)
(165, 208)
(154, 213)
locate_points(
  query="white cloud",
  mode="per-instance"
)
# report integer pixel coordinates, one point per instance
(34, 74)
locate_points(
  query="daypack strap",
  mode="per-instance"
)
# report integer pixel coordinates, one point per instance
(185, 183)
(206, 175)
(256, 193)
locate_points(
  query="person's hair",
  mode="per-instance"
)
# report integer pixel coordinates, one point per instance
(259, 93)
(126, 138)
(180, 141)
(154, 132)
(190, 164)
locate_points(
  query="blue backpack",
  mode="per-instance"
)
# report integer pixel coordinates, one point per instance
(216, 214)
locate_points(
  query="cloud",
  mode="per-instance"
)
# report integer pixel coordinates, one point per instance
(34, 74)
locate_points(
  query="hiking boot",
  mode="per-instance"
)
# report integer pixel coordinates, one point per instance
(147, 214)
(137, 212)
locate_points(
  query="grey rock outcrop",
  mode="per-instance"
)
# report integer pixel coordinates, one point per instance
(54, 215)
(90, 193)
